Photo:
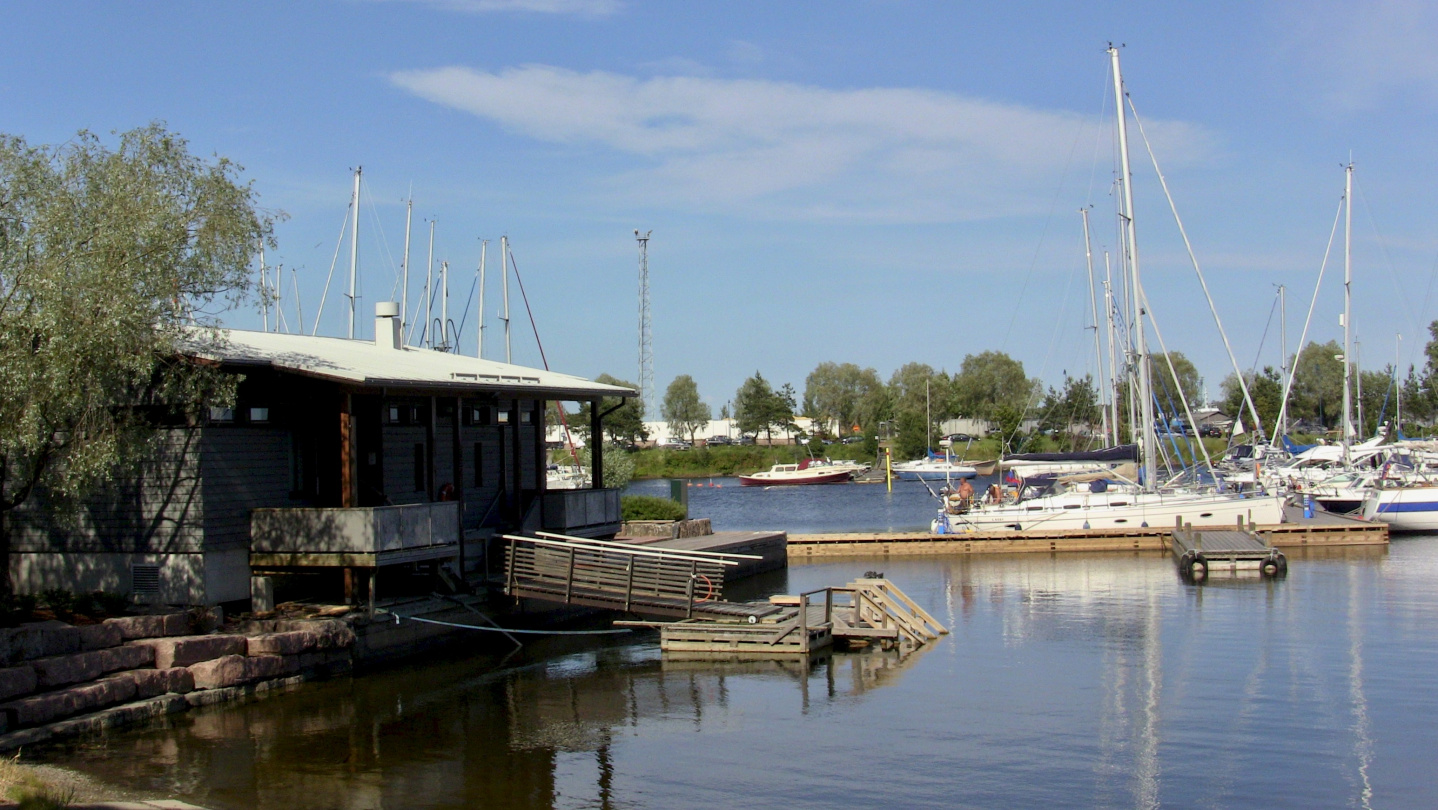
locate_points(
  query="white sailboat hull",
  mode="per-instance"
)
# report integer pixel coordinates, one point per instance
(1404, 509)
(1115, 510)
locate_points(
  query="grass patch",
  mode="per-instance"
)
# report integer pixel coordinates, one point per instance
(22, 785)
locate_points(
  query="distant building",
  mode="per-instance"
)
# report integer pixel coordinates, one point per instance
(340, 455)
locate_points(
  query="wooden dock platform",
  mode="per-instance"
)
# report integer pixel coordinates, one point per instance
(757, 551)
(862, 612)
(1321, 530)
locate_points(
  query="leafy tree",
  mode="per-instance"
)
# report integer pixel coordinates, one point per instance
(758, 407)
(110, 260)
(1070, 415)
(1266, 388)
(989, 381)
(625, 425)
(682, 408)
(753, 405)
(1188, 382)
(840, 394)
(618, 465)
(914, 390)
(1377, 402)
(1318, 384)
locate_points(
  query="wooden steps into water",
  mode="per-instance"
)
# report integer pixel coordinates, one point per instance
(864, 611)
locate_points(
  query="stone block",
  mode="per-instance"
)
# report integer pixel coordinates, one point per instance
(63, 670)
(179, 680)
(17, 681)
(129, 656)
(51, 706)
(289, 643)
(332, 633)
(39, 640)
(182, 651)
(99, 636)
(151, 626)
(262, 667)
(219, 672)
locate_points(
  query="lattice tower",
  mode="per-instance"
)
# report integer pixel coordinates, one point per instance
(646, 336)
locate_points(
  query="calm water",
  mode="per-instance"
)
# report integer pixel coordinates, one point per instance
(1075, 681)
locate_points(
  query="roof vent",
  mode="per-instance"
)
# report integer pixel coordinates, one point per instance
(387, 325)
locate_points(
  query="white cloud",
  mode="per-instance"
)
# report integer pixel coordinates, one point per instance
(793, 149)
(1367, 51)
(579, 8)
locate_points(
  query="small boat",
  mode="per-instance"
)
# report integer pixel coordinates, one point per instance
(1405, 505)
(796, 474)
(932, 469)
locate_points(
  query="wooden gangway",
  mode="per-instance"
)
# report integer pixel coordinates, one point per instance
(642, 580)
(1201, 553)
(865, 611)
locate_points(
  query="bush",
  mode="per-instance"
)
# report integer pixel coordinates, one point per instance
(61, 601)
(648, 507)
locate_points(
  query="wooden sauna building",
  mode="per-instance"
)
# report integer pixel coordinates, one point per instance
(347, 455)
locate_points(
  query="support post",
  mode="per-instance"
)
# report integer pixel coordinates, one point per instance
(429, 471)
(517, 458)
(349, 479)
(596, 446)
(373, 579)
(457, 455)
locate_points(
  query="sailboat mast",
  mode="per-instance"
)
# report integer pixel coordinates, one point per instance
(479, 346)
(429, 291)
(1347, 310)
(404, 294)
(1397, 386)
(264, 290)
(444, 304)
(1282, 427)
(504, 265)
(1140, 346)
(1093, 312)
(354, 248)
(1112, 381)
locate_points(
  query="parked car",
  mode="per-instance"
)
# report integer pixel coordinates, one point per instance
(674, 444)
(1211, 431)
(853, 439)
(745, 440)
(718, 440)
(960, 437)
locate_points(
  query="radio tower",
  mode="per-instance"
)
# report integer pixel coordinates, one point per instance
(646, 337)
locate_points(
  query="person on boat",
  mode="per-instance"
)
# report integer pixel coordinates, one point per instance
(966, 494)
(994, 494)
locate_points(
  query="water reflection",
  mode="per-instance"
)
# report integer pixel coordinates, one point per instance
(1099, 680)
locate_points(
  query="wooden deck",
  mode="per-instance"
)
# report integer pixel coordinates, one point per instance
(1200, 553)
(770, 548)
(1323, 529)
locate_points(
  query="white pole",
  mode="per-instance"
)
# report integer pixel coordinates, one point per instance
(429, 291)
(1347, 311)
(354, 249)
(264, 290)
(1093, 311)
(1398, 385)
(504, 262)
(299, 311)
(483, 248)
(1112, 344)
(1282, 428)
(1131, 241)
(444, 304)
(404, 296)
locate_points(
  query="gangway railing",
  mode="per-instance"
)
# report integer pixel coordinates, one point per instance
(616, 576)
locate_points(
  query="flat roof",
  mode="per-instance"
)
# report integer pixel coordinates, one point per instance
(364, 363)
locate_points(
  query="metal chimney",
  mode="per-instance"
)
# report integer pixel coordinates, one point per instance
(386, 325)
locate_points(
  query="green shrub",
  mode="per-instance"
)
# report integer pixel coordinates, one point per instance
(648, 507)
(59, 600)
(110, 604)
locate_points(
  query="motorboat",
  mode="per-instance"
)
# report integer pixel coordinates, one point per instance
(797, 474)
(932, 469)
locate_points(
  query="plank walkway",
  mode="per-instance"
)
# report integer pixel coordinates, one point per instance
(1323, 529)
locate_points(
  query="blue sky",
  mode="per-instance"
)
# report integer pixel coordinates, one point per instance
(868, 181)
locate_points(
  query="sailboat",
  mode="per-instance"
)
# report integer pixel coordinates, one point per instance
(1106, 500)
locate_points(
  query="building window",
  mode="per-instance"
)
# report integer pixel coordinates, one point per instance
(259, 415)
(504, 417)
(478, 464)
(476, 415)
(419, 471)
(223, 415)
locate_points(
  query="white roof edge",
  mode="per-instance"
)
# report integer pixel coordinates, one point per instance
(362, 362)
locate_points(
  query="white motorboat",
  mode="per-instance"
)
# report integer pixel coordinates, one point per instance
(796, 474)
(932, 469)
(1406, 506)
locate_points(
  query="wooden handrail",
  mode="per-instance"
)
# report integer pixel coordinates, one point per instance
(619, 548)
(611, 544)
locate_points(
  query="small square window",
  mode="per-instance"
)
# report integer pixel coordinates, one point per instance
(394, 414)
(222, 414)
(260, 415)
(504, 417)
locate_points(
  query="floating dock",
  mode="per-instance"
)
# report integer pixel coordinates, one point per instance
(1322, 529)
(1203, 552)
